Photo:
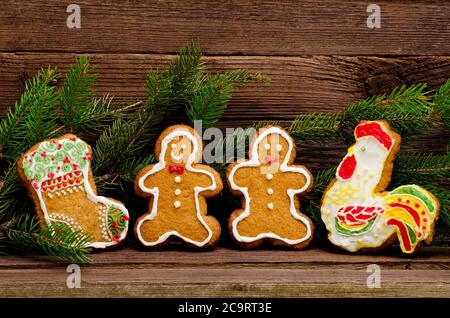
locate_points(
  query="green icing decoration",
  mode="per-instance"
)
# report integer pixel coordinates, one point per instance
(116, 221)
(412, 190)
(345, 231)
(70, 154)
(411, 233)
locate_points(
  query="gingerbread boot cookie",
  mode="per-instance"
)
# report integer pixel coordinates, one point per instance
(177, 186)
(59, 179)
(270, 185)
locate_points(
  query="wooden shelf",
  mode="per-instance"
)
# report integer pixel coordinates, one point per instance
(230, 273)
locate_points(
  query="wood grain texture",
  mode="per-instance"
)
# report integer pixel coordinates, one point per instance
(231, 273)
(300, 84)
(246, 27)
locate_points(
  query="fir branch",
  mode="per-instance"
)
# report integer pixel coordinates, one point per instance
(55, 240)
(441, 101)
(20, 122)
(209, 102)
(76, 94)
(316, 127)
(422, 167)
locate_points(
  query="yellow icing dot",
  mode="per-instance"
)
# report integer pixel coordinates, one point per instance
(360, 241)
(371, 174)
(375, 235)
(364, 197)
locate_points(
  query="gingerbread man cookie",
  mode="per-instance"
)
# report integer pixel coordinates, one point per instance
(59, 179)
(357, 211)
(270, 185)
(177, 186)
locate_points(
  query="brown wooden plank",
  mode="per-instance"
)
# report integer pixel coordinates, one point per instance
(300, 84)
(314, 257)
(228, 27)
(210, 282)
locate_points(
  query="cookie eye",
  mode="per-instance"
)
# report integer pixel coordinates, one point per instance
(267, 146)
(363, 149)
(279, 147)
(183, 146)
(173, 146)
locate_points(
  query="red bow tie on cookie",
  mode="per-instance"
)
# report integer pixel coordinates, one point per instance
(176, 169)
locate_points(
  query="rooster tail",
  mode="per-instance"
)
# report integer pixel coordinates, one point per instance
(412, 210)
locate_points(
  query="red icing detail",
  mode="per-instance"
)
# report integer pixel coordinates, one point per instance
(44, 154)
(341, 217)
(347, 167)
(125, 218)
(34, 153)
(77, 173)
(375, 130)
(403, 233)
(370, 209)
(44, 189)
(59, 179)
(417, 205)
(409, 201)
(351, 218)
(399, 200)
(75, 166)
(423, 213)
(58, 168)
(59, 146)
(424, 220)
(51, 175)
(424, 228)
(58, 185)
(53, 158)
(71, 181)
(66, 160)
(52, 188)
(409, 209)
(78, 180)
(73, 138)
(176, 169)
(64, 184)
(36, 186)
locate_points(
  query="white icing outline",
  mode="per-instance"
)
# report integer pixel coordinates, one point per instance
(92, 197)
(254, 162)
(155, 190)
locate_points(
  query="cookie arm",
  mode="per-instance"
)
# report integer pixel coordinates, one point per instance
(143, 182)
(300, 179)
(208, 178)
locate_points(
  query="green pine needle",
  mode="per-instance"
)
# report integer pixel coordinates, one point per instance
(55, 240)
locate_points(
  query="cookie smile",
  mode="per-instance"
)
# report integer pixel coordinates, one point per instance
(269, 159)
(176, 158)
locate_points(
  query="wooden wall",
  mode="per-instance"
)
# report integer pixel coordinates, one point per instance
(320, 55)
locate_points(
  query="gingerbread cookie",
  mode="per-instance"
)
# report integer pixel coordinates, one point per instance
(59, 179)
(177, 186)
(357, 211)
(270, 185)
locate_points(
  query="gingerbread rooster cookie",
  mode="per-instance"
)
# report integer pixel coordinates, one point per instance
(58, 177)
(177, 186)
(357, 211)
(270, 186)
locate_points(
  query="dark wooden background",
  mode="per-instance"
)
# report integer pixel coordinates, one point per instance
(320, 55)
